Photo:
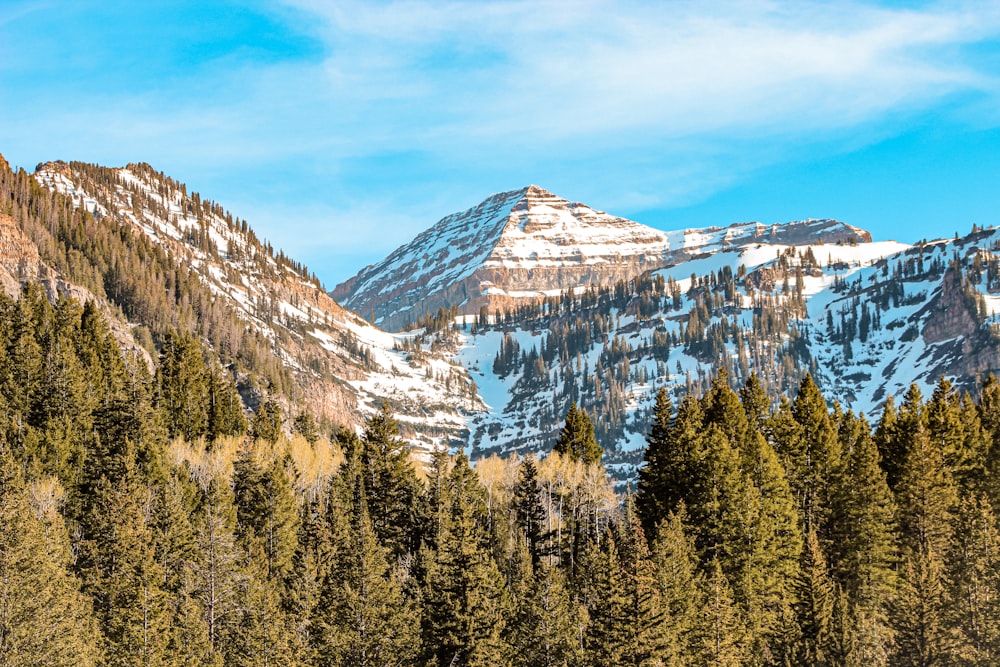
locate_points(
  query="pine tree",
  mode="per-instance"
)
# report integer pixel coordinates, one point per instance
(814, 460)
(926, 500)
(722, 632)
(215, 570)
(528, 510)
(546, 624)
(577, 439)
(123, 576)
(681, 589)
(755, 402)
(44, 618)
(390, 484)
(673, 454)
(645, 630)
(607, 634)
(265, 511)
(974, 598)
(722, 407)
(183, 381)
(814, 607)
(225, 407)
(660, 461)
(465, 600)
(765, 555)
(260, 634)
(863, 543)
(266, 423)
(364, 618)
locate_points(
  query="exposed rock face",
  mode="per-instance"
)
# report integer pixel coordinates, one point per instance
(529, 243)
(948, 315)
(966, 350)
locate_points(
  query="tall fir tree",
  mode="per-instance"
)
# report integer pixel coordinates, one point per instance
(974, 581)
(465, 598)
(927, 499)
(44, 618)
(364, 617)
(577, 439)
(390, 484)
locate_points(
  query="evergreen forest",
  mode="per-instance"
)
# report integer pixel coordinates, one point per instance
(145, 519)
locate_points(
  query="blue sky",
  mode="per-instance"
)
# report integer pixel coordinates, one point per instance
(342, 129)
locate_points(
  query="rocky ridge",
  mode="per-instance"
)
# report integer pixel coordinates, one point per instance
(526, 244)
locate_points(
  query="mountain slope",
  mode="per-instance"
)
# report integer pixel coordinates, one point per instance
(163, 259)
(521, 245)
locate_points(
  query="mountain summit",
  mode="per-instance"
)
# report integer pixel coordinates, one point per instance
(529, 243)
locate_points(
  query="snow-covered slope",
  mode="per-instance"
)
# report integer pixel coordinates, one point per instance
(525, 244)
(342, 366)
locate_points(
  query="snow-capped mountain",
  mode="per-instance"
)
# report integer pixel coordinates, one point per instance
(340, 366)
(587, 307)
(525, 244)
(546, 303)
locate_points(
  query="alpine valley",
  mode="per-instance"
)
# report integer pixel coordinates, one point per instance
(482, 331)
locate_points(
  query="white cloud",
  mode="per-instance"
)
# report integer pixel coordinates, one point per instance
(613, 72)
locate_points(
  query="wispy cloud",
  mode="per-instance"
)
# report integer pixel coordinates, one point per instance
(548, 72)
(409, 109)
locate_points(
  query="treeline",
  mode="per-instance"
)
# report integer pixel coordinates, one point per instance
(834, 543)
(143, 520)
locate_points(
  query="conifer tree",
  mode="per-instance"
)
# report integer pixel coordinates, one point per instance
(225, 407)
(364, 618)
(974, 596)
(260, 633)
(183, 381)
(465, 599)
(765, 556)
(123, 576)
(528, 510)
(607, 634)
(722, 407)
(546, 624)
(722, 631)
(673, 452)
(44, 618)
(215, 571)
(927, 498)
(645, 630)
(390, 484)
(265, 511)
(863, 543)
(681, 589)
(266, 422)
(755, 402)
(814, 608)
(814, 460)
(651, 496)
(577, 439)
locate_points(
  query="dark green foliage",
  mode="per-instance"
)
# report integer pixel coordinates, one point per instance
(266, 423)
(528, 510)
(390, 483)
(155, 557)
(44, 618)
(465, 601)
(577, 438)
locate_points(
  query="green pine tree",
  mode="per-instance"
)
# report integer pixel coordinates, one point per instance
(465, 598)
(577, 439)
(44, 618)
(364, 617)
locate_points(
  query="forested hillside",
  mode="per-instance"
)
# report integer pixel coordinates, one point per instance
(157, 258)
(144, 521)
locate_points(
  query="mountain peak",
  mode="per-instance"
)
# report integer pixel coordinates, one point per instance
(530, 243)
